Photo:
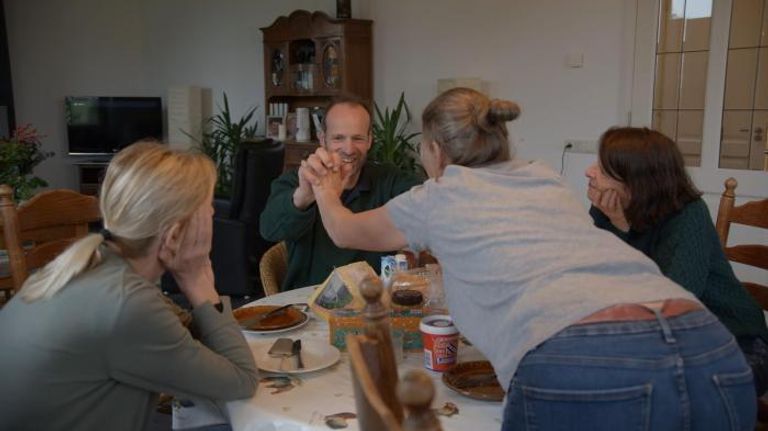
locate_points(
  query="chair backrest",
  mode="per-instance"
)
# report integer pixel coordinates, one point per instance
(755, 214)
(237, 246)
(273, 267)
(374, 370)
(36, 231)
(257, 164)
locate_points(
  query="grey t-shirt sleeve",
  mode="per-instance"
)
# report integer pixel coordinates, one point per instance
(410, 212)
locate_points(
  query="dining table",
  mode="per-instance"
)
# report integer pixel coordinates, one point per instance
(324, 392)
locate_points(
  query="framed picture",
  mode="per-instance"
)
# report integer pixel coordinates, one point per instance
(290, 126)
(273, 125)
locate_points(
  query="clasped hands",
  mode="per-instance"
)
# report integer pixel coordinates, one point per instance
(322, 171)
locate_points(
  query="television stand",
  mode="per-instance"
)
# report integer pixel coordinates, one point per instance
(90, 174)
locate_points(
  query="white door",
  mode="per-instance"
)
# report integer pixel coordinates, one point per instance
(701, 77)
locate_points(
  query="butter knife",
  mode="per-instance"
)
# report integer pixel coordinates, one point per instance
(297, 352)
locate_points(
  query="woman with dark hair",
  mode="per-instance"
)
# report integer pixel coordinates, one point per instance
(641, 192)
(583, 331)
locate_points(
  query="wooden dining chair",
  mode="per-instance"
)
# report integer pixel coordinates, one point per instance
(380, 405)
(38, 230)
(755, 214)
(273, 267)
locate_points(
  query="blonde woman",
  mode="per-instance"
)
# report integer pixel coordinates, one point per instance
(89, 340)
(582, 330)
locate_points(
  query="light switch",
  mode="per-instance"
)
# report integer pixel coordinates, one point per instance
(575, 60)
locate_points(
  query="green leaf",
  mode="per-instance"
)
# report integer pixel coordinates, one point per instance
(392, 144)
(222, 139)
(19, 155)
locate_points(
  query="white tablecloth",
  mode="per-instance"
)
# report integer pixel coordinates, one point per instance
(329, 391)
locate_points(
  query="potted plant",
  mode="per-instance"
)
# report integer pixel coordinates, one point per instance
(221, 141)
(392, 143)
(19, 155)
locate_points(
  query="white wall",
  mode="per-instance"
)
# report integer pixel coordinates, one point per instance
(78, 47)
(520, 48)
(134, 48)
(216, 45)
(111, 47)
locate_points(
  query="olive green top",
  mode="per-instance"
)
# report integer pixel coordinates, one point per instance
(95, 355)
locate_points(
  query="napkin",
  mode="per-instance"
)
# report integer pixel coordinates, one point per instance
(196, 413)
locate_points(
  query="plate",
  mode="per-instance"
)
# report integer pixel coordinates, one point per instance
(291, 319)
(474, 379)
(316, 355)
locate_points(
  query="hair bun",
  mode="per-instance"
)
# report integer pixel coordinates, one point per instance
(503, 111)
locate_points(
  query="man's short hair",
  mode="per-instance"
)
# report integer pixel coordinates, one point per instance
(348, 99)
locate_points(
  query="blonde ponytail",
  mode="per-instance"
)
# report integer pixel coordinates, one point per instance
(147, 188)
(80, 256)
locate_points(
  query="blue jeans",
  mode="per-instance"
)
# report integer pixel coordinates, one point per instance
(680, 373)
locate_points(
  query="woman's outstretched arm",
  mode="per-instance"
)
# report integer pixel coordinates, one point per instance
(371, 230)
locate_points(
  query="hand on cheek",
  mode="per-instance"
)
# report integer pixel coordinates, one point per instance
(594, 196)
(612, 205)
(185, 252)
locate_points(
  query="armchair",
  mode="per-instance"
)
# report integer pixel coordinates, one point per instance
(237, 245)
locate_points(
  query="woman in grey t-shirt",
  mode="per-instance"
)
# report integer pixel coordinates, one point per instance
(582, 329)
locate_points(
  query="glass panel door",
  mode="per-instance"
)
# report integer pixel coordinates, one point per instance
(680, 78)
(745, 104)
(727, 42)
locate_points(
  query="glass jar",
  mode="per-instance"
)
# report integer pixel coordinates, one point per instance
(409, 284)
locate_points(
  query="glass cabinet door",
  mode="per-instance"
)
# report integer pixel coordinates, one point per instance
(277, 67)
(303, 65)
(331, 64)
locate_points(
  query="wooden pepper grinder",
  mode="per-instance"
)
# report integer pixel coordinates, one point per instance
(376, 317)
(416, 392)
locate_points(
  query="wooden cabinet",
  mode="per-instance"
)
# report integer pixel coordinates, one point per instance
(308, 59)
(90, 175)
(295, 152)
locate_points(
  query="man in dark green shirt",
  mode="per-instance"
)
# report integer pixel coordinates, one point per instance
(291, 214)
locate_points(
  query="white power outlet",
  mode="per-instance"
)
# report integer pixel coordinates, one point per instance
(587, 146)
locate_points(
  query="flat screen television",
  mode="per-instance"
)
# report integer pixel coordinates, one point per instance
(105, 125)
